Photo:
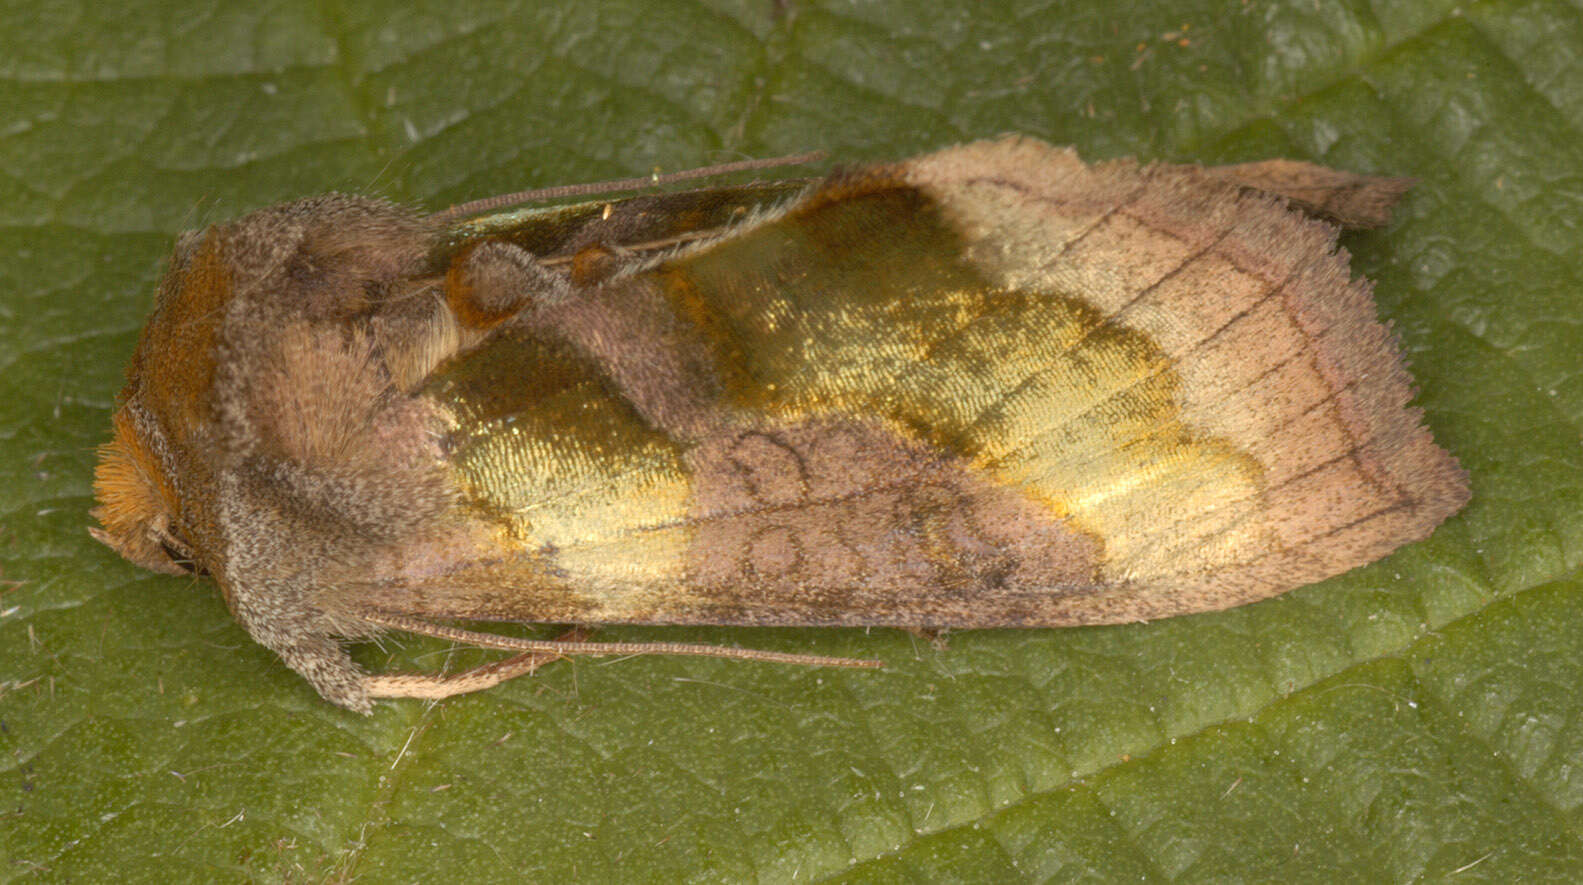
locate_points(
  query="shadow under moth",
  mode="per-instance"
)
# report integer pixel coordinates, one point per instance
(993, 386)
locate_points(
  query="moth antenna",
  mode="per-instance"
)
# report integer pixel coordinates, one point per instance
(562, 648)
(488, 204)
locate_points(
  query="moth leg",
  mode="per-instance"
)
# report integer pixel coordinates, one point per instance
(427, 687)
(432, 687)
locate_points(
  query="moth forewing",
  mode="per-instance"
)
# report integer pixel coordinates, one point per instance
(991, 386)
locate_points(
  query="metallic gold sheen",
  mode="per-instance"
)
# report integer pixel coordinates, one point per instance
(542, 443)
(1034, 388)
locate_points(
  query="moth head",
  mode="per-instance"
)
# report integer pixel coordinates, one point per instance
(249, 320)
(165, 409)
(137, 509)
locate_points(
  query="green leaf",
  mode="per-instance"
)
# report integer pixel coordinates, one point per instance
(1416, 719)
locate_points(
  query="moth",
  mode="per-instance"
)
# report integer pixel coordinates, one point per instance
(992, 386)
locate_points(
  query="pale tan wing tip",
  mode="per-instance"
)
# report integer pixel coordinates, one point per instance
(1349, 199)
(1439, 484)
(1346, 198)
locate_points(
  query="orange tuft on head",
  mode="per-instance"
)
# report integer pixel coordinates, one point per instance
(134, 498)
